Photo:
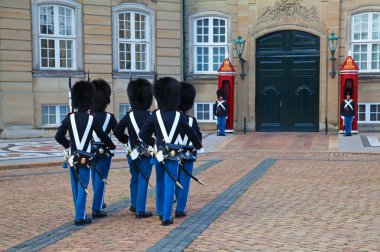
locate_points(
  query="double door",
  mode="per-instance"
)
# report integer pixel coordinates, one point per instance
(287, 82)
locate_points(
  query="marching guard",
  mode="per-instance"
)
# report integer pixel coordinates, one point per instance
(80, 126)
(103, 158)
(140, 96)
(166, 123)
(188, 94)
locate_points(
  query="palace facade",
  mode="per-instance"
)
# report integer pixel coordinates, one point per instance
(287, 87)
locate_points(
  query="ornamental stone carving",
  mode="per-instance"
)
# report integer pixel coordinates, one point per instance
(288, 10)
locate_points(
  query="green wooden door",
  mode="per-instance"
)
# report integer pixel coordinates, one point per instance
(287, 82)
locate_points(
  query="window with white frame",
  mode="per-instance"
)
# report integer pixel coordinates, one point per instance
(57, 26)
(210, 44)
(53, 114)
(123, 109)
(368, 112)
(133, 37)
(203, 112)
(365, 41)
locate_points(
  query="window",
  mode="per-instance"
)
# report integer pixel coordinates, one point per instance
(133, 37)
(203, 112)
(369, 112)
(361, 113)
(365, 41)
(53, 114)
(123, 109)
(57, 26)
(210, 44)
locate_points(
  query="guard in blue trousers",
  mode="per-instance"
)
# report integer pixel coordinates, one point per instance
(188, 94)
(166, 123)
(140, 96)
(80, 126)
(102, 157)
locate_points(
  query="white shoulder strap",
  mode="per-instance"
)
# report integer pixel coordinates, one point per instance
(80, 143)
(105, 125)
(167, 138)
(134, 123)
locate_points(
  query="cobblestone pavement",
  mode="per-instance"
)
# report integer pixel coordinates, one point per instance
(264, 192)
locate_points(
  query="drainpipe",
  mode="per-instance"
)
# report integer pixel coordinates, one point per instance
(184, 40)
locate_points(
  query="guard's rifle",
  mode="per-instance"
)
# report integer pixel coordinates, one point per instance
(65, 164)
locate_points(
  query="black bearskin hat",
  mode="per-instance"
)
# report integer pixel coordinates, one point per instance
(188, 94)
(221, 92)
(83, 95)
(103, 95)
(167, 91)
(140, 94)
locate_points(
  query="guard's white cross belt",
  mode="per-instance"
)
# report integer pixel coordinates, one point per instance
(348, 104)
(184, 141)
(220, 104)
(80, 143)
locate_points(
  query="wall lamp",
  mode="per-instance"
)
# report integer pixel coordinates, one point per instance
(239, 46)
(333, 42)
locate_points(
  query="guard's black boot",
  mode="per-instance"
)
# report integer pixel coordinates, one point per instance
(132, 209)
(167, 222)
(98, 214)
(83, 222)
(144, 215)
(180, 214)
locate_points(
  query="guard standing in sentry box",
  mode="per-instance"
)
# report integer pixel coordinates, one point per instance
(103, 158)
(140, 96)
(188, 94)
(80, 126)
(166, 123)
(221, 111)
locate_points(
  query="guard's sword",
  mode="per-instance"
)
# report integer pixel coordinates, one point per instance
(74, 170)
(190, 175)
(105, 181)
(134, 155)
(160, 158)
(141, 171)
(170, 174)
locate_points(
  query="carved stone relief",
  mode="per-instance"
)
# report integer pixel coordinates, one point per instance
(288, 10)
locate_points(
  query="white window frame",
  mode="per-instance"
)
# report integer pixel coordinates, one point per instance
(211, 111)
(368, 42)
(368, 113)
(150, 31)
(193, 44)
(77, 52)
(128, 107)
(58, 120)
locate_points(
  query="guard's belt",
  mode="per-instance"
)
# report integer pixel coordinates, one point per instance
(100, 150)
(189, 153)
(172, 151)
(143, 149)
(83, 158)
